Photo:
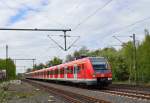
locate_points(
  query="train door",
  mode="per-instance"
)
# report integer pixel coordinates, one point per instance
(52, 73)
(65, 72)
(58, 71)
(82, 71)
(75, 71)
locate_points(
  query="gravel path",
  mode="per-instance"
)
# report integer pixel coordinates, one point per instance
(26, 93)
(98, 94)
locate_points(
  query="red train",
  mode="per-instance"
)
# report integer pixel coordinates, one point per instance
(89, 71)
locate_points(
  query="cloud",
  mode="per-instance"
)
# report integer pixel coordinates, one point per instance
(96, 32)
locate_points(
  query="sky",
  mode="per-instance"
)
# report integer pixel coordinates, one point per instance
(95, 22)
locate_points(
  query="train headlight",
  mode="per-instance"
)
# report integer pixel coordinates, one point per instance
(109, 78)
(94, 74)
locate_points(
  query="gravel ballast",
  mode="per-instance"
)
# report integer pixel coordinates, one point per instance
(98, 94)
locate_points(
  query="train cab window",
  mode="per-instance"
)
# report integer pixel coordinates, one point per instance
(99, 67)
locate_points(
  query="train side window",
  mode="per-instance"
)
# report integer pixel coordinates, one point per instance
(56, 71)
(48, 72)
(65, 70)
(78, 68)
(61, 70)
(71, 69)
(52, 72)
(68, 70)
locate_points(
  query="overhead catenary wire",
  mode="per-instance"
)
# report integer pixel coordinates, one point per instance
(72, 9)
(127, 26)
(118, 39)
(92, 14)
(64, 48)
(74, 42)
(130, 25)
(56, 42)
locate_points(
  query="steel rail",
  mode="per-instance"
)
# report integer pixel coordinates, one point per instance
(69, 96)
(132, 94)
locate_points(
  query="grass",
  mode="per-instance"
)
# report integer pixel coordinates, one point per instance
(3, 95)
(131, 83)
(24, 95)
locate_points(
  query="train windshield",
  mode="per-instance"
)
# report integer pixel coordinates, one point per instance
(99, 66)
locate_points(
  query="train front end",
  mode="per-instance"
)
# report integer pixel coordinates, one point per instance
(102, 71)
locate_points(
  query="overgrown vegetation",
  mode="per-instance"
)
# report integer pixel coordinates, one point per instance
(3, 92)
(10, 68)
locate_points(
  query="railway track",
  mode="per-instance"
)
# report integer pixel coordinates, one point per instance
(68, 96)
(131, 87)
(129, 92)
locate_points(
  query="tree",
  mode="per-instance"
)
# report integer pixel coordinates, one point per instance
(10, 68)
(28, 70)
(55, 61)
(39, 66)
(82, 52)
(69, 58)
(127, 51)
(144, 59)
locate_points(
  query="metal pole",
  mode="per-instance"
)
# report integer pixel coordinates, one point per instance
(36, 29)
(65, 40)
(33, 63)
(6, 60)
(6, 51)
(134, 59)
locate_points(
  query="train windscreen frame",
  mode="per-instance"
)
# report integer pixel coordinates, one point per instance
(99, 64)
